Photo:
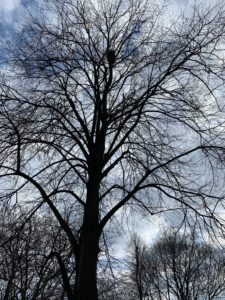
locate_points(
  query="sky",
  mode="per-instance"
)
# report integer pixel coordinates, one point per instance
(10, 11)
(7, 6)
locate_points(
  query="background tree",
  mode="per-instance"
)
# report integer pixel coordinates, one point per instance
(138, 283)
(108, 105)
(29, 260)
(178, 266)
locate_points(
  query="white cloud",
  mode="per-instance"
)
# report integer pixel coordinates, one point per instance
(149, 230)
(8, 6)
(10, 10)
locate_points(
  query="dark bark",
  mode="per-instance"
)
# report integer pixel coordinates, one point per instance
(89, 244)
(87, 276)
(66, 281)
(8, 289)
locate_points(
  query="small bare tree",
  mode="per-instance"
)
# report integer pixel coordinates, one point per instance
(137, 281)
(178, 266)
(110, 104)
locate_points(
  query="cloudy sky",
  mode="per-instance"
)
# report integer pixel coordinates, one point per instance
(10, 11)
(8, 6)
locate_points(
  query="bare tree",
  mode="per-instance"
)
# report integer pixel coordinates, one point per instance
(178, 266)
(136, 281)
(28, 260)
(111, 104)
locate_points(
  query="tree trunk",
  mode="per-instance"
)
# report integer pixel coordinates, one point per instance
(86, 285)
(86, 279)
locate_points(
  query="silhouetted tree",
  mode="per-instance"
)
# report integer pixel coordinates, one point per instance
(178, 266)
(110, 104)
(28, 260)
